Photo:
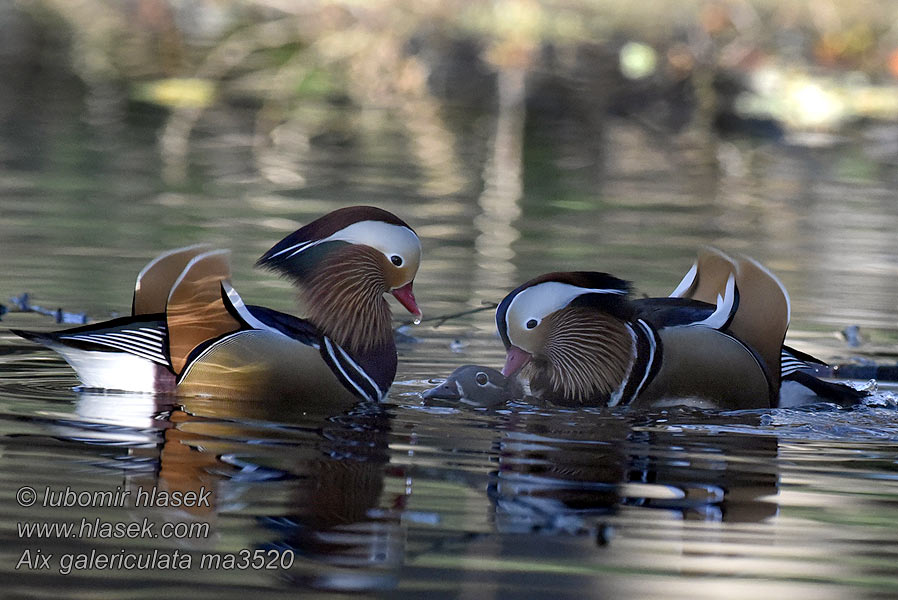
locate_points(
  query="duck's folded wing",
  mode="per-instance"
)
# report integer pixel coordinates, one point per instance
(293, 327)
(196, 311)
(793, 360)
(156, 279)
(683, 312)
(143, 336)
(708, 277)
(672, 312)
(129, 353)
(763, 314)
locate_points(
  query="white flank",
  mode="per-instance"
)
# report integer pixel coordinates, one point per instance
(793, 395)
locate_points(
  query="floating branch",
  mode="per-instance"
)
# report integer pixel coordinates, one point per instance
(442, 319)
(22, 303)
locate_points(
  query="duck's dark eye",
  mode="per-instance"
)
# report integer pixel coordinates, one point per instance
(481, 378)
(396, 260)
(531, 324)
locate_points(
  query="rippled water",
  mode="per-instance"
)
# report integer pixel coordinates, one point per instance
(404, 499)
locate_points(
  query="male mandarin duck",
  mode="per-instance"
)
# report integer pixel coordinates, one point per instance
(191, 332)
(716, 342)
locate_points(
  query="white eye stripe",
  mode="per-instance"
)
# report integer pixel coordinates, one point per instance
(542, 299)
(388, 238)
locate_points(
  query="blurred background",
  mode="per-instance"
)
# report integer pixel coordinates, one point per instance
(516, 136)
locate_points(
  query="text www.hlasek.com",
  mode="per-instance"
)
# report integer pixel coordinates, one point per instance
(108, 530)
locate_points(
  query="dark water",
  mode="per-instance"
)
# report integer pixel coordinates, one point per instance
(403, 499)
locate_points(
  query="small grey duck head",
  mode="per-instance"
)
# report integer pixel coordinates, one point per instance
(476, 385)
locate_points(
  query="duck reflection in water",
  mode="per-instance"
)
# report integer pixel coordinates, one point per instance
(560, 470)
(564, 473)
(315, 484)
(325, 473)
(315, 481)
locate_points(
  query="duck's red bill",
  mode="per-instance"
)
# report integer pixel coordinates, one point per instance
(407, 299)
(515, 359)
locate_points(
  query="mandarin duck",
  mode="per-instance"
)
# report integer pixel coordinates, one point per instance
(715, 342)
(190, 331)
(476, 385)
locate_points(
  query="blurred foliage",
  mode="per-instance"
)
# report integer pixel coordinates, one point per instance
(752, 67)
(381, 45)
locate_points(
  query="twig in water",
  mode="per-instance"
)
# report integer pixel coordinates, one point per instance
(487, 305)
(22, 303)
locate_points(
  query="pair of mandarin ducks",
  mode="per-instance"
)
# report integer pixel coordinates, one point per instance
(577, 338)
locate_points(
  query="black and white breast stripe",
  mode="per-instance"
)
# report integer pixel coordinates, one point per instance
(645, 366)
(349, 372)
(146, 342)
